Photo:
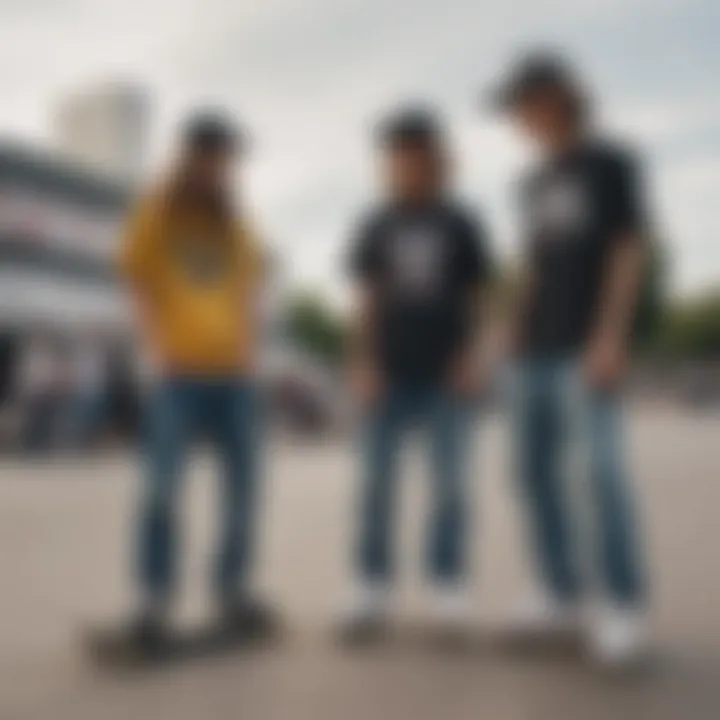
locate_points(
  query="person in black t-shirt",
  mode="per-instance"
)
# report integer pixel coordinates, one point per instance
(585, 245)
(421, 263)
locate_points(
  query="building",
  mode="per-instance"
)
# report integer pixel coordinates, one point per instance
(59, 226)
(105, 127)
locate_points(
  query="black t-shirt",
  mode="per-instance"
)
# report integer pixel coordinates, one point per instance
(575, 208)
(423, 263)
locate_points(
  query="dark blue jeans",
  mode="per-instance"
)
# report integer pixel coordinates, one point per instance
(570, 465)
(224, 412)
(446, 420)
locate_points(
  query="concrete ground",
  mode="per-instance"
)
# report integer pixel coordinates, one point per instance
(63, 559)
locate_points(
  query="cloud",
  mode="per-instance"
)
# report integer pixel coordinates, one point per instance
(309, 76)
(658, 121)
(687, 191)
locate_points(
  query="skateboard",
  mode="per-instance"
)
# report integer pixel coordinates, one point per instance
(109, 648)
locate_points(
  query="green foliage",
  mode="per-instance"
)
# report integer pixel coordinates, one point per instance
(691, 328)
(316, 327)
(653, 302)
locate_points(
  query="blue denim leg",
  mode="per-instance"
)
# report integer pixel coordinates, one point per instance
(232, 418)
(599, 490)
(381, 438)
(448, 423)
(537, 420)
(171, 415)
(615, 513)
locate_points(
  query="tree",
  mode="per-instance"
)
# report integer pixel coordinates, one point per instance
(691, 329)
(653, 306)
(316, 328)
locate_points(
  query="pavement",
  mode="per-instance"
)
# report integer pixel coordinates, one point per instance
(64, 560)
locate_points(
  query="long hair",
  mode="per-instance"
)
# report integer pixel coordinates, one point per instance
(183, 194)
(441, 165)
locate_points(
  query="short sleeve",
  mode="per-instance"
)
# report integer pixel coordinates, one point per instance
(625, 199)
(475, 265)
(364, 258)
(139, 245)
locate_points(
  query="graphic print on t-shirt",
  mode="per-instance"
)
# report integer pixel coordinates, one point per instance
(415, 255)
(203, 261)
(560, 207)
(577, 208)
(423, 261)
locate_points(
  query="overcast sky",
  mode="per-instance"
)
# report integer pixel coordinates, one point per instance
(309, 76)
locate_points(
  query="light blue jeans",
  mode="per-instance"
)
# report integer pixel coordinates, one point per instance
(446, 420)
(570, 466)
(225, 412)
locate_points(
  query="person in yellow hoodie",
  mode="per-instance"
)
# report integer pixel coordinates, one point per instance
(194, 270)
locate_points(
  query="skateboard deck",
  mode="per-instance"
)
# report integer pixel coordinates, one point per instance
(107, 648)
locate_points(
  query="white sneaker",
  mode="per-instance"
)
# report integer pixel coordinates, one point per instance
(451, 606)
(367, 608)
(617, 636)
(540, 614)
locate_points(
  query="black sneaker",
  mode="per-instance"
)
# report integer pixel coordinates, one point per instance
(251, 618)
(144, 638)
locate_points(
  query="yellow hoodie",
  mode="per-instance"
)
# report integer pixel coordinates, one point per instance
(198, 284)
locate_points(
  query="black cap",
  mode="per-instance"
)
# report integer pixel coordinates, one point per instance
(533, 73)
(212, 131)
(410, 127)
